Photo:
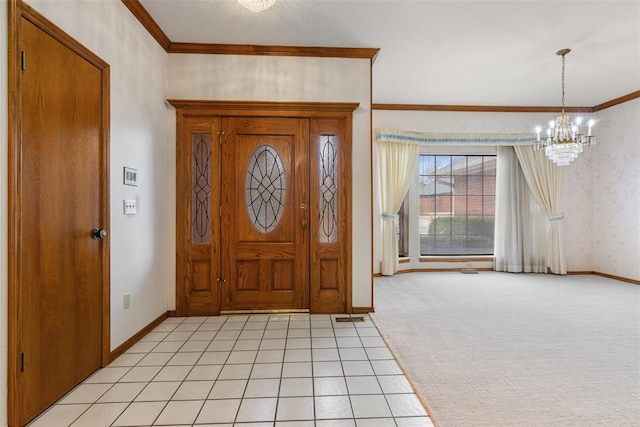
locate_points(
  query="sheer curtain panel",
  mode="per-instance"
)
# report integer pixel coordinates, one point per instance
(521, 232)
(546, 182)
(396, 165)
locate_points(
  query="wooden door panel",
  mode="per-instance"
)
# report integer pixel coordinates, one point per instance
(201, 273)
(329, 274)
(248, 275)
(283, 278)
(62, 199)
(265, 181)
(264, 275)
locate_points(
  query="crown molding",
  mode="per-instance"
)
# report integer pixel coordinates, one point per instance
(617, 101)
(264, 50)
(148, 22)
(138, 10)
(478, 108)
(504, 109)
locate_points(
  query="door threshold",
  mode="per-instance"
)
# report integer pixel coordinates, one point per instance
(276, 311)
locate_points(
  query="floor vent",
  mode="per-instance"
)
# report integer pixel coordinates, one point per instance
(469, 271)
(350, 319)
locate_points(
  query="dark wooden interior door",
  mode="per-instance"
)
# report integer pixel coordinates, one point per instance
(60, 199)
(265, 214)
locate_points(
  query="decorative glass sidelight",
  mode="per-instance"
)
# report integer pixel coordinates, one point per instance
(201, 197)
(265, 188)
(328, 169)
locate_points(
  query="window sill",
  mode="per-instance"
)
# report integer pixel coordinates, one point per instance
(480, 258)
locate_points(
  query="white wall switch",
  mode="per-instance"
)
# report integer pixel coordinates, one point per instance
(126, 300)
(129, 207)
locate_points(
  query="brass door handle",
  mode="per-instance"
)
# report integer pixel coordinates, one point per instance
(303, 222)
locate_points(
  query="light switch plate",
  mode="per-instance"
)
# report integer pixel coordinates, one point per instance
(130, 207)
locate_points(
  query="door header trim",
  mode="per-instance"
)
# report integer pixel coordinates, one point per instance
(264, 108)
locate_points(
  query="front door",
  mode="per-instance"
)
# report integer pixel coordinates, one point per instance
(263, 207)
(265, 214)
(61, 195)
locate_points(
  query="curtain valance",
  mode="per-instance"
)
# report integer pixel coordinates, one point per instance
(454, 139)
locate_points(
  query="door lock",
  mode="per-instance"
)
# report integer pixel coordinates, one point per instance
(303, 207)
(303, 222)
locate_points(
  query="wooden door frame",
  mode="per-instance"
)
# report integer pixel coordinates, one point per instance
(16, 11)
(187, 108)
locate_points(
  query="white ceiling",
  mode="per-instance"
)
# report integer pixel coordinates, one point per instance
(444, 52)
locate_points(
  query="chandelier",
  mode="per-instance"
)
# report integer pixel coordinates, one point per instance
(564, 139)
(257, 5)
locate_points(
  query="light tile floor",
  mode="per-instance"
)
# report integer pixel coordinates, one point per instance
(247, 370)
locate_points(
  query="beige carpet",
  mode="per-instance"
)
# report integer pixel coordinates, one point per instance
(501, 349)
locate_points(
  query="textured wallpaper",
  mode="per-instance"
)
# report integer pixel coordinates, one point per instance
(615, 162)
(578, 211)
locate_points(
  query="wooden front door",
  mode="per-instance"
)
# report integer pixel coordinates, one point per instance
(263, 207)
(59, 170)
(265, 214)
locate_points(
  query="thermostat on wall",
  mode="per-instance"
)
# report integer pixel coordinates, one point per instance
(130, 176)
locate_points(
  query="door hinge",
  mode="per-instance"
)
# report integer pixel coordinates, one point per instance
(23, 60)
(220, 214)
(21, 362)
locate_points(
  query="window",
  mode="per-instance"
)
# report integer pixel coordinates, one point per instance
(457, 204)
(403, 230)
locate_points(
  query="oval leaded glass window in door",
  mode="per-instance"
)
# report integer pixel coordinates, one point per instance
(265, 188)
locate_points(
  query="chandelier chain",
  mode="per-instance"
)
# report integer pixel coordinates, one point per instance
(563, 83)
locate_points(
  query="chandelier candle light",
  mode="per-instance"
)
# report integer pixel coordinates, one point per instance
(564, 140)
